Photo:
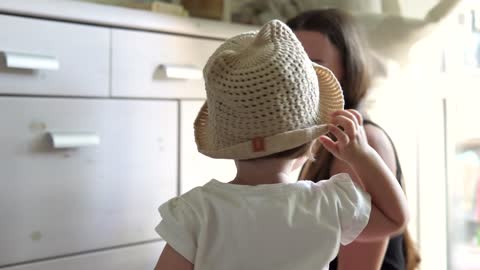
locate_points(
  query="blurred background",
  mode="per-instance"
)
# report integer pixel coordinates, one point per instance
(97, 101)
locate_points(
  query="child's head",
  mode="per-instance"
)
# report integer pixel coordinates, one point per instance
(264, 96)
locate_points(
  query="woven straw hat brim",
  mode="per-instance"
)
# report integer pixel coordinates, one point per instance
(331, 99)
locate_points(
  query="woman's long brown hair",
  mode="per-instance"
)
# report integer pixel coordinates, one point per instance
(343, 33)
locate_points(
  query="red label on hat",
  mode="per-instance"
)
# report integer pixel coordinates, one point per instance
(258, 144)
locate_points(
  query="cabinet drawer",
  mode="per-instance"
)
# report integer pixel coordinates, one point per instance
(197, 169)
(141, 257)
(61, 201)
(39, 57)
(158, 65)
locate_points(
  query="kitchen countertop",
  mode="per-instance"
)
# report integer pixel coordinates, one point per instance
(112, 16)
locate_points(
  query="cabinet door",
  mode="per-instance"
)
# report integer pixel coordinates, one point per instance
(61, 201)
(41, 57)
(136, 257)
(195, 168)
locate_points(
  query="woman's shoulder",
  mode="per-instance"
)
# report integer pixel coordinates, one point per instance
(377, 137)
(379, 140)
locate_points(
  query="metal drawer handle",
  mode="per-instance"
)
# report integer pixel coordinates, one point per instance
(30, 61)
(73, 139)
(178, 72)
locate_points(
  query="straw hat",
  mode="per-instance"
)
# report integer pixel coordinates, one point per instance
(264, 96)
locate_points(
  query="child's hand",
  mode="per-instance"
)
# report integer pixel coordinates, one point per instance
(351, 144)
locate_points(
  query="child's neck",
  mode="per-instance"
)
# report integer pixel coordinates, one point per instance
(263, 171)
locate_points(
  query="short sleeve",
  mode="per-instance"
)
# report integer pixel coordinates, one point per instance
(179, 227)
(353, 206)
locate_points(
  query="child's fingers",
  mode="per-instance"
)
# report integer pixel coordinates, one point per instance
(341, 136)
(328, 144)
(348, 114)
(348, 125)
(357, 115)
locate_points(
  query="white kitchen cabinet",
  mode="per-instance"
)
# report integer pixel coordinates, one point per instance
(57, 202)
(98, 80)
(135, 257)
(158, 65)
(41, 57)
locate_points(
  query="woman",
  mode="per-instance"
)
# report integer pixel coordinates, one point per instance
(331, 39)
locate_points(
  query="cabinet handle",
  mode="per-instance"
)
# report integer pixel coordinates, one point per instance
(178, 72)
(30, 61)
(73, 139)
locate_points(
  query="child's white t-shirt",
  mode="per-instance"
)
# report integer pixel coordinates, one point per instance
(266, 227)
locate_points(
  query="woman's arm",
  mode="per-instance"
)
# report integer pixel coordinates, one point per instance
(170, 259)
(362, 255)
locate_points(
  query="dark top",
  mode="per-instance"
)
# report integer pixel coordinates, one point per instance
(395, 257)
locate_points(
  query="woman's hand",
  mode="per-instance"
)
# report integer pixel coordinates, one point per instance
(351, 144)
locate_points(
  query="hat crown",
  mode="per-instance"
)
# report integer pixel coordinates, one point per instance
(260, 84)
(264, 96)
